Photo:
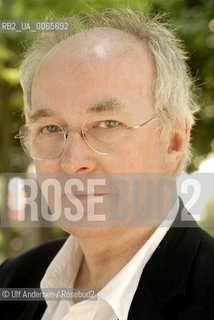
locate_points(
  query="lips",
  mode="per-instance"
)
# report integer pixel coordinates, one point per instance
(83, 195)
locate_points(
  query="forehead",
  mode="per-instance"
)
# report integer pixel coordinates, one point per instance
(98, 43)
(102, 63)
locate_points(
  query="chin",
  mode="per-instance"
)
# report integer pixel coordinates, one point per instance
(86, 232)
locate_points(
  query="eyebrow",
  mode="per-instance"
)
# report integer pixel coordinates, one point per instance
(41, 113)
(108, 105)
(111, 105)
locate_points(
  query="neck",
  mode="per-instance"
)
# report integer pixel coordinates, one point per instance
(105, 256)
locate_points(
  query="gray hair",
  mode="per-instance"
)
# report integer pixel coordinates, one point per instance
(175, 101)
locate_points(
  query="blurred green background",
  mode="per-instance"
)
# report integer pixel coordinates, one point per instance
(193, 22)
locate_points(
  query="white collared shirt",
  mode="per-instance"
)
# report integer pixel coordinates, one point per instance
(114, 300)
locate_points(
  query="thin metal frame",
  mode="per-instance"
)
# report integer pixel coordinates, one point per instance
(65, 132)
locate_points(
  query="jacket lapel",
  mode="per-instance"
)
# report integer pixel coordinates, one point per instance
(164, 279)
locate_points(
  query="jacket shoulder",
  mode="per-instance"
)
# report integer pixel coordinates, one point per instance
(198, 300)
(204, 264)
(27, 269)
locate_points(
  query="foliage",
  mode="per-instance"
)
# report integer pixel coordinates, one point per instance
(192, 20)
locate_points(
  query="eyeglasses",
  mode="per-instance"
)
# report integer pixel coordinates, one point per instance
(47, 140)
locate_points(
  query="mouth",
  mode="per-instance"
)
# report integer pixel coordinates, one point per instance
(83, 196)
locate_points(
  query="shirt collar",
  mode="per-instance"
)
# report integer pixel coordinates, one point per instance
(63, 269)
(120, 291)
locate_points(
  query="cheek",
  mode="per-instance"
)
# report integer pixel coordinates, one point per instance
(129, 159)
(46, 166)
(157, 155)
(146, 153)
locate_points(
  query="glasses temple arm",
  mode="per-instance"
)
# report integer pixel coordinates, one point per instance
(142, 124)
(18, 136)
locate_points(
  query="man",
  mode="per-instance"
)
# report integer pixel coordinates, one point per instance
(119, 70)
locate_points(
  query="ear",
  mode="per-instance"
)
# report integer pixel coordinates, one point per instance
(177, 145)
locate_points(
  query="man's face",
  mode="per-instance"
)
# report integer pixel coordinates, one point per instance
(89, 69)
(77, 81)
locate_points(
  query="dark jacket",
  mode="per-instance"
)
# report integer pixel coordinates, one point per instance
(176, 284)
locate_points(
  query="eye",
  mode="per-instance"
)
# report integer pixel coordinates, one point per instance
(52, 128)
(108, 124)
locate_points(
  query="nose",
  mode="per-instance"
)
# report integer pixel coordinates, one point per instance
(77, 156)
